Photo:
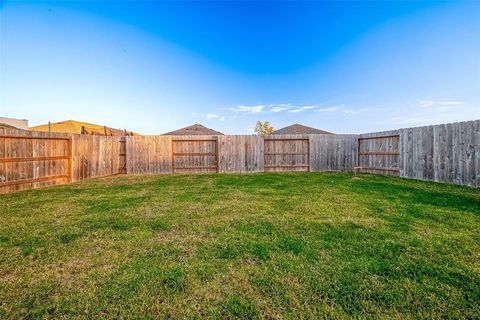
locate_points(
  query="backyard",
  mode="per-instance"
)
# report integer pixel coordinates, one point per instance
(268, 245)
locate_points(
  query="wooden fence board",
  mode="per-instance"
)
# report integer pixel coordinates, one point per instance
(241, 153)
(149, 154)
(30, 160)
(380, 152)
(195, 154)
(54, 158)
(95, 156)
(332, 152)
(476, 151)
(444, 153)
(286, 153)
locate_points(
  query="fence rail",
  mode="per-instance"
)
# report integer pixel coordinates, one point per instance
(379, 154)
(286, 153)
(30, 161)
(445, 153)
(195, 155)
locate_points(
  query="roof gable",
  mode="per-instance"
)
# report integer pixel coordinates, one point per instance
(299, 129)
(196, 129)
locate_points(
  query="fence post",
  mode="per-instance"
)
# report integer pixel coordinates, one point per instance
(123, 155)
(70, 159)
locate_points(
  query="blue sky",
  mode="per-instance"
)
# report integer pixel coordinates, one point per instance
(151, 67)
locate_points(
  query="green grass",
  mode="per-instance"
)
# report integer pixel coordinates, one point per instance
(241, 246)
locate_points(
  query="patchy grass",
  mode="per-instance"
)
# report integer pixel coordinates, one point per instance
(241, 246)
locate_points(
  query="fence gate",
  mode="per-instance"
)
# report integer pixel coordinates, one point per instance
(379, 154)
(195, 155)
(26, 160)
(287, 154)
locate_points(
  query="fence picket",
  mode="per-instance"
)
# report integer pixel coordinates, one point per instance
(444, 153)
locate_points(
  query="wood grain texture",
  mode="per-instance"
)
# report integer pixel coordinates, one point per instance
(380, 153)
(332, 152)
(95, 156)
(54, 158)
(32, 159)
(241, 153)
(195, 154)
(286, 153)
(148, 154)
(444, 153)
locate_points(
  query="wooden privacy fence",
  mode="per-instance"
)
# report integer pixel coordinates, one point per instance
(446, 153)
(195, 155)
(379, 154)
(240, 153)
(32, 161)
(96, 156)
(286, 154)
(37, 159)
(330, 152)
(443, 153)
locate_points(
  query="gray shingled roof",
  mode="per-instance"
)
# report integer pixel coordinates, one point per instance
(196, 129)
(299, 129)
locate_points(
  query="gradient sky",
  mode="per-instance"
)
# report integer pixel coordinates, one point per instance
(151, 67)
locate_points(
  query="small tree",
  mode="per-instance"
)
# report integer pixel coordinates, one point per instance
(263, 128)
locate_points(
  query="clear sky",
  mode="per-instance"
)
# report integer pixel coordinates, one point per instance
(151, 67)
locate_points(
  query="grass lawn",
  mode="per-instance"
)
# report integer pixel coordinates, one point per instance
(305, 245)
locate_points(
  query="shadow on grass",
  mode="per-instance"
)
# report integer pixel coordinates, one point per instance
(421, 193)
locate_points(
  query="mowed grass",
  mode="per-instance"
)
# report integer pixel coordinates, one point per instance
(277, 246)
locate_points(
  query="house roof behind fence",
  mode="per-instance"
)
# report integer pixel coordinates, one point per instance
(299, 129)
(196, 129)
(7, 126)
(79, 127)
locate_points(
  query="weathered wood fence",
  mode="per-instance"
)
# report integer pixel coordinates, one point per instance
(240, 153)
(444, 153)
(37, 159)
(24, 153)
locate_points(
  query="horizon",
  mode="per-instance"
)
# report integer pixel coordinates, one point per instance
(154, 67)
